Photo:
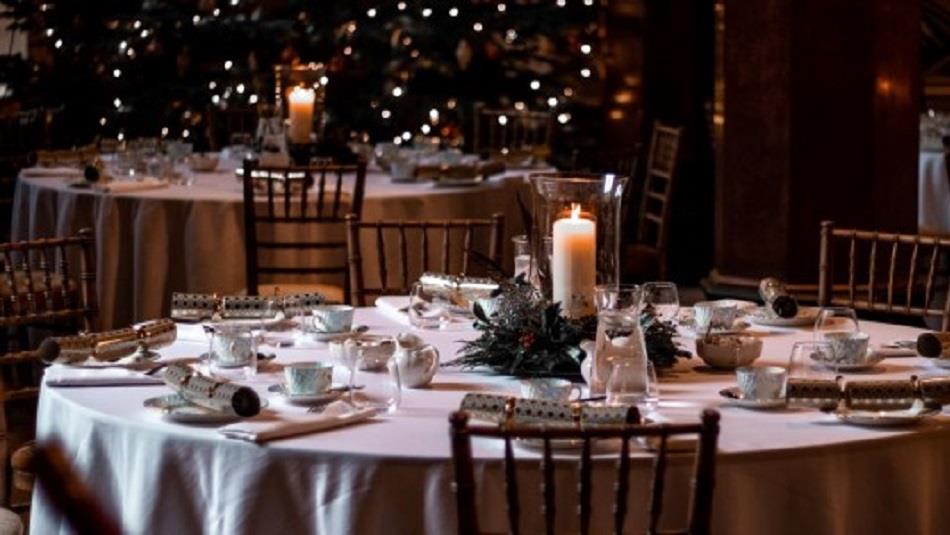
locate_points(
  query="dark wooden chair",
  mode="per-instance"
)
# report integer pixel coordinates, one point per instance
(512, 134)
(298, 200)
(68, 493)
(703, 480)
(646, 258)
(398, 230)
(888, 273)
(42, 292)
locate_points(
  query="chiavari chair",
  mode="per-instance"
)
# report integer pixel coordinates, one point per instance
(512, 134)
(646, 258)
(888, 273)
(295, 201)
(404, 232)
(41, 292)
(69, 495)
(703, 477)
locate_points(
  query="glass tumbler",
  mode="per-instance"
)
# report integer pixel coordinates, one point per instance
(630, 383)
(426, 310)
(664, 298)
(381, 389)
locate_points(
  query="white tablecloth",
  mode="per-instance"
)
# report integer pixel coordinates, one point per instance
(191, 239)
(933, 195)
(788, 472)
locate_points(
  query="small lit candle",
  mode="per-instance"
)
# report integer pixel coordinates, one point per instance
(573, 264)
(301, 101)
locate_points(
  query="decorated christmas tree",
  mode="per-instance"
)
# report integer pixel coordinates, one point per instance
(120, 68)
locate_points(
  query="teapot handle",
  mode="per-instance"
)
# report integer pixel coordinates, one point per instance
(434, 366)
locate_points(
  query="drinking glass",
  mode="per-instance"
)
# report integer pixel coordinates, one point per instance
(522, 252)
(806, 358)
(618, 297)
(426, 311)
(835, 320)
(663, 298)
(629, 383)
(652, 399)
(379, 390)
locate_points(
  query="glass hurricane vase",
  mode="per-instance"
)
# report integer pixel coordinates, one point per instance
(580, 216)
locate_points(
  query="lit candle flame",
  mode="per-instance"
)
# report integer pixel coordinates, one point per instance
(575, 210)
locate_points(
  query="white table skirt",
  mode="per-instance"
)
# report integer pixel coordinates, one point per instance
(933, 195)
(151, 243)
(789, 472)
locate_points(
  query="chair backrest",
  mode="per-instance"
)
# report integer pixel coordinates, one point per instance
(39, 286)
(420, 249)
(69, 495)
(223, 124)
(700, 510)
(499, 132)
(900, 274)
(654, 217)
(308, 196)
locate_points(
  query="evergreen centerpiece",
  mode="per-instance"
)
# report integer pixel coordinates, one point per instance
(523, 334)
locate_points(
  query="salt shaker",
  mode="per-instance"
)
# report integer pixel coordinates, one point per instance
(777, 298)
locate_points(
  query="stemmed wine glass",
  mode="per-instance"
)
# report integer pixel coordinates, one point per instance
(663, 298)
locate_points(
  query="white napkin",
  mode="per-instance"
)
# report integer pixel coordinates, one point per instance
(393, 306)
(266, 427)
(41, 172)
(61, 375)
(126, 186)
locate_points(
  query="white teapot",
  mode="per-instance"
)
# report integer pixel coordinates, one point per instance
(417, 361)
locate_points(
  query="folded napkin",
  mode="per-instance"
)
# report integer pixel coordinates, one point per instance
(60, 375)
(270, 426)
(395, 307)
(126, 186)
(59, 171)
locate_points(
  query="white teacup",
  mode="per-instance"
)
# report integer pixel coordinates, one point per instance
(308, 378)
(848, 348)
(549, 389)
(233, 348)
(762, 383)
(325, 319)
(720, 314)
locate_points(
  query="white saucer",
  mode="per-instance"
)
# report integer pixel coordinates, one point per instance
(871, 361)
(895, 418)
(307, 399)
(734, 397)
(806, 316)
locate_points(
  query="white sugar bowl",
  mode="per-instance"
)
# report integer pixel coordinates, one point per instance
(417, 361)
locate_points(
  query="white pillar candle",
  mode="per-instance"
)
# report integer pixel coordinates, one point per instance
(574, 264)
(300, 101)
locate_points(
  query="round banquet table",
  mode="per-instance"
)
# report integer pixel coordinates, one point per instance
(153, 242)
(793, 471)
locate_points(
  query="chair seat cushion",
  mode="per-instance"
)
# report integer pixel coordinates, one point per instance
(331, 292)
